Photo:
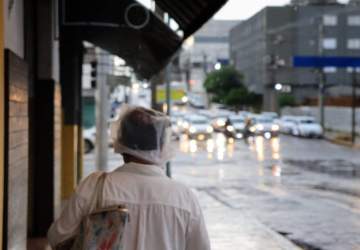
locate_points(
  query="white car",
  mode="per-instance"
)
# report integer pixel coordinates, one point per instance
(271, 115)
(307, 126)
(89, 137)
(287, 124)
(236, 126)
(198, 127)
(265, 126)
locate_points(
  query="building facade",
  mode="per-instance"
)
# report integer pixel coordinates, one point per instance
(208, 46)
(263, 47)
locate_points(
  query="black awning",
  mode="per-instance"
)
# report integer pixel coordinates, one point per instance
(190, 14)
(138, 36)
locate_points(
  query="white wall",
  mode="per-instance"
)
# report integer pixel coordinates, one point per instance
(14, 26)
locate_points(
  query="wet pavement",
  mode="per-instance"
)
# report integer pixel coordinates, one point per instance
(305, 190)
(269, 194)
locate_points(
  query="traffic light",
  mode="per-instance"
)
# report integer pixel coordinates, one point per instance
(93, 74)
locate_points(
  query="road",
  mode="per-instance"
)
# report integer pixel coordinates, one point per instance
(306, 191)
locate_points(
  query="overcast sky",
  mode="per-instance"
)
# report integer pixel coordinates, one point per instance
(240, 9)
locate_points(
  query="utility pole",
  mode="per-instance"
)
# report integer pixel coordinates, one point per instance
(322, 77)
(353, 107)
(205, 63)
(101, 110)
(168, 101)
(188, 74)
(168, 106)
(155, 79)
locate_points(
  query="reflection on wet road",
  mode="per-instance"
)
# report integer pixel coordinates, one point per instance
(218, 147)
(294, 186)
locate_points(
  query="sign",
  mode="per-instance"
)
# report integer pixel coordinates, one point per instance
(326, 61)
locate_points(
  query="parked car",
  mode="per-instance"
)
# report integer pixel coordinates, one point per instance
(235, 127)
(198, 127)
(265, 126)
(287, 124)
(307, 126)
(89, 137)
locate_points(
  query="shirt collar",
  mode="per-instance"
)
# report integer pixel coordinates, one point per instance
(142, 169)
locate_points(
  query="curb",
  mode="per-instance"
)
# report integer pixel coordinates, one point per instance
(285, 242)
(342, 143)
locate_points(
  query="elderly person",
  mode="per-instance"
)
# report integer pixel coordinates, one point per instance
(164, 214)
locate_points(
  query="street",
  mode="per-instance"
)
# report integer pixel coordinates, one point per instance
(304, 190)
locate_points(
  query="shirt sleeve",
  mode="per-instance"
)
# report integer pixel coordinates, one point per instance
(197, 236)
(66, 226)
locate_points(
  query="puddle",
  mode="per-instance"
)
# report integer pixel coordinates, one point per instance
(337, 167)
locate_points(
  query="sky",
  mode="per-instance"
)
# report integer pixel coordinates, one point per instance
(240, 9)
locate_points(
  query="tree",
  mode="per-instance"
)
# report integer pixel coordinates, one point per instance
(220, 82)
(237, 98)
(226, 87)
(286, 100)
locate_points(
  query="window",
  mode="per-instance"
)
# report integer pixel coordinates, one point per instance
(354, 20)
(329, 43)
(330, 69)
(353, 43)
(330, 20)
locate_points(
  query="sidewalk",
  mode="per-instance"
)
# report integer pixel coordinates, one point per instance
(234, 229)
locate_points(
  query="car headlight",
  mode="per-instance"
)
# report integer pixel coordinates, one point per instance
(220, 123)
(239, 136)
(230, 128)
(186, 125)
(275, 127)
(260, 127)
(252, 129)
(209, 129)
(184, 99)
(192, 130)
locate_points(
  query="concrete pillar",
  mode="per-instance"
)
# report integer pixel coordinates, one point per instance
(44, 118)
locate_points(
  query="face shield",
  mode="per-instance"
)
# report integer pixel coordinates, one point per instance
(143, 133)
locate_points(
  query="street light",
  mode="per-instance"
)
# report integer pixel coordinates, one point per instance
(278, 86)
(217, 66)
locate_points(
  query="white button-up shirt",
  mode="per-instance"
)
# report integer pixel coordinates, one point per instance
(164, 214)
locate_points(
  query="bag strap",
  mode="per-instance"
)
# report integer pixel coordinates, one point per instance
(97, 197)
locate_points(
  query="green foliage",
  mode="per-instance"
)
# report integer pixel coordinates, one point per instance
(286, 100)
(221, 82)
(226, 87)
(237, 97)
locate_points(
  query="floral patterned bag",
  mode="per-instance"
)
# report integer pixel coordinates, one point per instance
(102, 229)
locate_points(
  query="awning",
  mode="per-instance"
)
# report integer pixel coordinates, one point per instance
(190, 14)
(125, 29)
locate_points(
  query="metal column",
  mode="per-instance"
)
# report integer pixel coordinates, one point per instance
(353, 107)
(168, 105)
(322, 77)
(102, 110)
